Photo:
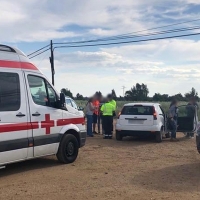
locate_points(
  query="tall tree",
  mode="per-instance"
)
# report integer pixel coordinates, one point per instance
(137, 93)
(160, 97)
(67, 92)
(178, 97)
(79, 97)
(192, 93)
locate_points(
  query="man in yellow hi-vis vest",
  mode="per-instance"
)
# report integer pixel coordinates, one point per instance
(113, 102)
(107, 110)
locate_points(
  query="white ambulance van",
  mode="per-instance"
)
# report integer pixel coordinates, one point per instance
(34, 120)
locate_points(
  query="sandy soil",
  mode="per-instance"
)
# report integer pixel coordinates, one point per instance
(108, 169)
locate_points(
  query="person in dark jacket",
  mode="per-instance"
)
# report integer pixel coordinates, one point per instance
(191, 112)
(173, 116)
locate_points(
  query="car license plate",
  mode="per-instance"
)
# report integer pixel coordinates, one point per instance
(135, 121)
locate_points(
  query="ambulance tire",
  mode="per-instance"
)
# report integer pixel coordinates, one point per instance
(68, 149)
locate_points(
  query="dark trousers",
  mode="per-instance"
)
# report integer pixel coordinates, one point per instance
(102, 126)
(89, 125)
(107, 124)
(112, 123)
(174, 128)
(99, 123)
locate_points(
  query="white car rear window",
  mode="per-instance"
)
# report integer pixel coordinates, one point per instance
(137, 110)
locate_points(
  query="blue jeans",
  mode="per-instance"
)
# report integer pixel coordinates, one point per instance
(89, 125)
(174, 127)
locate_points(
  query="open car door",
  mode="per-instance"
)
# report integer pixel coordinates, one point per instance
(187, 118)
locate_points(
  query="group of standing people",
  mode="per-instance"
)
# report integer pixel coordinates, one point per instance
(173, 116)
(99, 111)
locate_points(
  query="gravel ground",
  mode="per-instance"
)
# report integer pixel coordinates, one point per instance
(108, 169)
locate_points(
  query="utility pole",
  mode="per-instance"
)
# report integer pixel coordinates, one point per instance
(123, 88)
(52, 62)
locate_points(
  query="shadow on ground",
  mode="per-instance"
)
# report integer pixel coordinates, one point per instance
(126, 142)
(177, 178)
(29, 165)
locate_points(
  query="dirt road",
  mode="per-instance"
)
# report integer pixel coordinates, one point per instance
(107, 169)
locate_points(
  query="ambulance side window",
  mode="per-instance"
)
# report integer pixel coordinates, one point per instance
(9, 92)
(38, 90)
(52, 96)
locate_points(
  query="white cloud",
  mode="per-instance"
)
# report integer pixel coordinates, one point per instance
(176, 50)
(163, 65)
(41, 19)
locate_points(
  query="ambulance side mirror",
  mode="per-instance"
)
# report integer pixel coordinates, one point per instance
(80, 108)
(62, 100)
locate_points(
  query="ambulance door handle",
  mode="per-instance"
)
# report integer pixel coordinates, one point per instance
(20, 115)
(36, 114)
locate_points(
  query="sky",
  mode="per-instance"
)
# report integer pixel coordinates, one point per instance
(167, 66)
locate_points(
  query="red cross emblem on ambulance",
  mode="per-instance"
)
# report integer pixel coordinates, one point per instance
(47, 124)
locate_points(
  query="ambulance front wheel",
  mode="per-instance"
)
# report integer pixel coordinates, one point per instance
(68, 149)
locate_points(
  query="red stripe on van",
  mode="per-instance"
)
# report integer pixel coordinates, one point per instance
(62, 122)
(18, 127)
(17, 65)
(35, 125)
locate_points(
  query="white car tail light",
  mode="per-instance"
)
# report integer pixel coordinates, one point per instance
(154, 114)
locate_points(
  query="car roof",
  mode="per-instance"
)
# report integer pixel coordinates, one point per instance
(141, 103)
(13, 58)
(66, 97)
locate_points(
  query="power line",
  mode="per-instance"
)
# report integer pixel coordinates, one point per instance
(39, 53)
(122, 42)
(38, 50)
(122, 36)
(126, 42)
(42, 59)
(162, 26)
(142, 30)
(134, 36)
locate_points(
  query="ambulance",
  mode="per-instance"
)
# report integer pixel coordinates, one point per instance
(34, 119)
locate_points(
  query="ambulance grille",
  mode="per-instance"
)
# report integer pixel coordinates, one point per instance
(6, 48)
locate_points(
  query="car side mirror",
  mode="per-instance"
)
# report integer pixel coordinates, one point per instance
(62, 100)
(80, 108)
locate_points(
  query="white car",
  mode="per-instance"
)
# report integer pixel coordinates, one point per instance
(70, 102)
(144, 119)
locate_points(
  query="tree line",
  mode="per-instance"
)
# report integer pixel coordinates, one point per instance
(140, 92)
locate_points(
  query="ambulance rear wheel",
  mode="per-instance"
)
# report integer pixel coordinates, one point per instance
(68, 149)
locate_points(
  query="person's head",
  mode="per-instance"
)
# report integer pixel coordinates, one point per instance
(109, 97)
(90, 100)
(99, 95)
(193, 100)
(174, 102)
(94, 98)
